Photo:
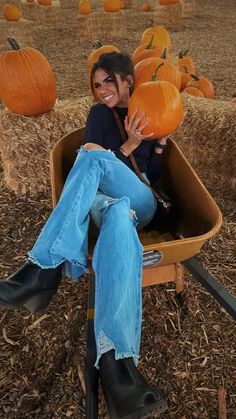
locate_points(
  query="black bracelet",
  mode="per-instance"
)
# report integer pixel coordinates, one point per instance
(162, 146)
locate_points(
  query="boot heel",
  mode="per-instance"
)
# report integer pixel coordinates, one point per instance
(40, 302)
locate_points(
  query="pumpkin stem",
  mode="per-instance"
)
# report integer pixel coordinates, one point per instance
(181, 54)
(151, 43)
(154, 76)
(195, 77)
(164, 54)
(185, 69)
(13, 43)
(97, 44)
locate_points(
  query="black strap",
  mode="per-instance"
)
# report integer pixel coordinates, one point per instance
(134, 163)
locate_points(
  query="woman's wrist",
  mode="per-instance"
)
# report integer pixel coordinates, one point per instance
(128, 147)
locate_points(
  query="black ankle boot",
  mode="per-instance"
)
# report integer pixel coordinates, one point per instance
(127, 394)
(31, 286)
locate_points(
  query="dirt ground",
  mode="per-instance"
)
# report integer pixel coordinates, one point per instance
(188, 346)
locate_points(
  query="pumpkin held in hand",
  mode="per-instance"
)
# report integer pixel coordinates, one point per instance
(162, 104)
(27, 81)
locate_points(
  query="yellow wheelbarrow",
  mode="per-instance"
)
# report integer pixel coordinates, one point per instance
(165, 254)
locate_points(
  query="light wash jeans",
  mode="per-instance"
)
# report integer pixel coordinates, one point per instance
(101, 185)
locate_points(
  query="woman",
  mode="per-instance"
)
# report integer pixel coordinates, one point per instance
(103, 185)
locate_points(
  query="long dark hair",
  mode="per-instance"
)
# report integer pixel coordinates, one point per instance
(114, 62)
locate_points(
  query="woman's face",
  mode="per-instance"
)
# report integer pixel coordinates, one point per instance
(106, 91)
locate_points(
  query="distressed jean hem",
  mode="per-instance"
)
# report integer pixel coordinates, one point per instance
(82, 269)
(105, 344)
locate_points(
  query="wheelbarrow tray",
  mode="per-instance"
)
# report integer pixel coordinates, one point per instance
(199, 216)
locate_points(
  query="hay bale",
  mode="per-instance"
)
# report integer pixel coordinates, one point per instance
(207, 138)
(48, 15)
(68, 18)
(29, 11)
(188, 8)
(25, 143)
(142, 20)
(21, 30)
(102, 25)
(169, 15)
(69, 4)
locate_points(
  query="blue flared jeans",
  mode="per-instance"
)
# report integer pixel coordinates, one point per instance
(100, 186)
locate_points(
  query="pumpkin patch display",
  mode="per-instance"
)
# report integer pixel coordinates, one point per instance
(11, 12)
(27, 81)
(84, 7)
(162, 104)
(161, 37)
(112, 5)
(203, 84)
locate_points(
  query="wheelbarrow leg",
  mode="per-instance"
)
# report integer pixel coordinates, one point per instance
(91, 373)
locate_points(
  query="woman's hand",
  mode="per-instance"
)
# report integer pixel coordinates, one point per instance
(134, 127)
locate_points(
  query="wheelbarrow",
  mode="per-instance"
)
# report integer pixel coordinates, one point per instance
(166, 254)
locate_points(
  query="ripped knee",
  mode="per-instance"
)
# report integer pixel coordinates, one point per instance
(93, 146)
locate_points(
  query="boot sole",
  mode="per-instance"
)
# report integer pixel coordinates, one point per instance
(36, 304)
(159, 407)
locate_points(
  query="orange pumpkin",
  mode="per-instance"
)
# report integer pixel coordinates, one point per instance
(147, 50)
(185, 78)
(154, 68)
(11, 12)
(193, 91)
(99, 50)
(27, 81)
(84, 7)
(203, 84)
(45, 2)
(185, 61)
(111, 5)
(162, 104)
(161, 37)
(146, 7)
(167, 2)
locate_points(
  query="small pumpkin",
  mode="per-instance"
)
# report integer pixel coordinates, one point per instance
(185, 61)
(185, 78)
(162, 104)
(84, 7)
(111, 5)
(161, 37)
(148, 50)
(45, 2)
(11, 12)
(203, 84)
(27, 81)
(193, 91)
(167, 2)
(146, 7)
(154, 68)
(99, 49)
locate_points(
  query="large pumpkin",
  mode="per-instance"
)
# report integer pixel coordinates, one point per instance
(158, 69)
(162, 104)
(27, 81)
(161, 37)
(111, 5)
(99, 50)
(11, 12)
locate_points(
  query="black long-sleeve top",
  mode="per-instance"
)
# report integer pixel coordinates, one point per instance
(102, 129)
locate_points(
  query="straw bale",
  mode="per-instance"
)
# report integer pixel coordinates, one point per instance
(68, 18)
(69, 4)
(101, 24)
(48, 15)
(189, 8)
(142, 19)
(20, 30)
(170, 16)
(29, 10)
(207, 138)
(25, 143)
